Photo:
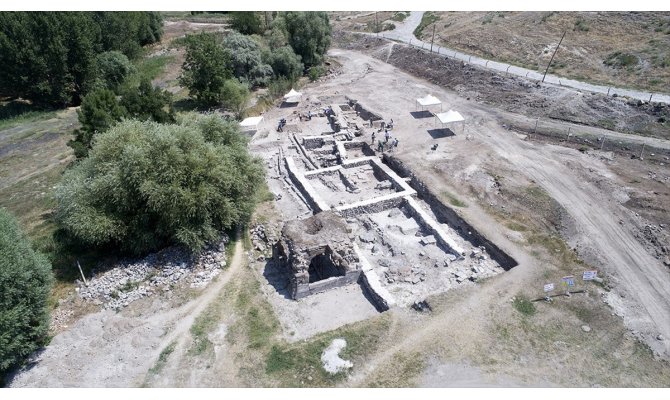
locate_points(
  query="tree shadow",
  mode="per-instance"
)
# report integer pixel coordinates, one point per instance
(186, 104)
(441, 133)
(421, 114)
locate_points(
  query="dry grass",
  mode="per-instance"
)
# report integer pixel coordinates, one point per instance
(588, 52)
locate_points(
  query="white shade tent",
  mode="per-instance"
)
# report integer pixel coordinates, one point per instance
(251, 124)
(292, 96)
(450, 117)
(428, 101)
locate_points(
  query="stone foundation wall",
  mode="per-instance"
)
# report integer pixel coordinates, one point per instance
(306, 189)
(447, 215)
(300, 291)
(375, 205)
(433, 227)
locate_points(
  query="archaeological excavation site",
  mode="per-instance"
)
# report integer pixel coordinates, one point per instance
(335, 199)
(362, 217)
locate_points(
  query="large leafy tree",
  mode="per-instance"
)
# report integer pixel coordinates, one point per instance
(246, 61)
(147, 185)
(246, 22)
(206, 67)
(308, 34)
(25, 283)
(285, 63)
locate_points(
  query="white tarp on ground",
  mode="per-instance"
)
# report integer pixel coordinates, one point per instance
(429, 100)
(292, 96)
(251, 123)
(450, 116)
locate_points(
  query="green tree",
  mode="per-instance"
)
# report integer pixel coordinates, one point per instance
(50, 57)
(25, 284)
(113, 68)
(148, 102)
(308, 34)
(99, 110)
(147, 185)
(206, 67)
(246, 22)
(246, 60)
(285, 63)
(235, 95)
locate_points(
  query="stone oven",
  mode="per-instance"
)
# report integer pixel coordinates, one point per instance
(319, 254)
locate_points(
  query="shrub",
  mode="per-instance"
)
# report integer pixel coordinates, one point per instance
(524, 306)
(581, 25)
(99, 111)
(235, 95)
(113, 67)
(25, 284)
(147, 102)
(621, 60)
(147, 185)
(315, 73)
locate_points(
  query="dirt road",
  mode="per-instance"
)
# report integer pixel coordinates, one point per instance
(108, 349)
(603, 224)
(404, 32)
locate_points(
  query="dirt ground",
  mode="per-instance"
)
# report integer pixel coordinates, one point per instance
(529, 38)
(555, 209)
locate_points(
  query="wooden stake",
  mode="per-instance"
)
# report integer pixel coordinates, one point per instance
(82, 273)
(433, 39)
(552, 56)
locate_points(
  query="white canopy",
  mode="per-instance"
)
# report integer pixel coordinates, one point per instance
(429, 100)
(292, 96)
(251, 123)
(450, 116)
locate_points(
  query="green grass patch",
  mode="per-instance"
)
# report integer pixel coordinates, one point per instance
(581, 25)
(453, 200)
(607, 124)
(523, 305)
(162, 358)
(400, 16)
(26, 118)
(401, 371)
(148, 67)
(620, 59)
(515, 226)
(428, 18)
(302, 359)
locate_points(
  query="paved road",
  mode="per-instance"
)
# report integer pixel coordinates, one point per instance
(404, 32)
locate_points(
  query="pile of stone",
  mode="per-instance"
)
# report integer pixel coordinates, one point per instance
(402, 273)
(131, 280)
(261, 237)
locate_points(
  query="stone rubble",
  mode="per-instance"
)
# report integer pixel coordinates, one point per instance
(131, 280)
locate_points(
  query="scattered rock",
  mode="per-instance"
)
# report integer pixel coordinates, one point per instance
(367, 237)
(586, 328)
(660, 337)
(426, 240)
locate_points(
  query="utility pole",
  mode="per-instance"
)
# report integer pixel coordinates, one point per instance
(433, 39)
(552, 56)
